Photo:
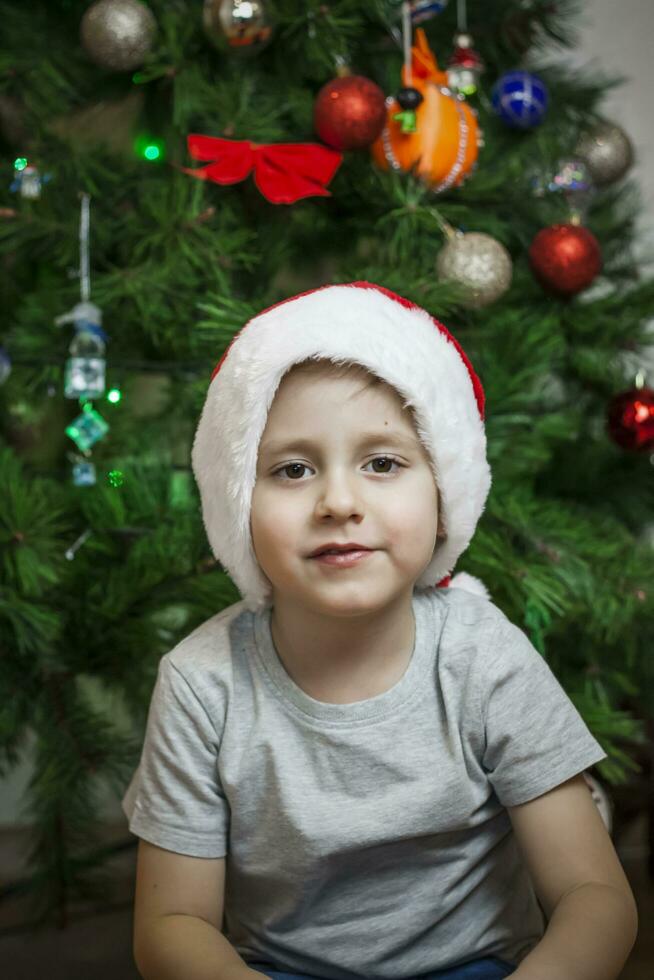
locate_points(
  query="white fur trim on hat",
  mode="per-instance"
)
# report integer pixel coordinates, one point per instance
(469, 583)
(354, 322)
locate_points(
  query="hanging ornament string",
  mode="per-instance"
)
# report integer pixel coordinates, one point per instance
(84, 372)
(407, 36)
(84, 312)
(465, 64)
(408, 98)
(70, 552)
(444, 226)
(461, 16)
(84, 274)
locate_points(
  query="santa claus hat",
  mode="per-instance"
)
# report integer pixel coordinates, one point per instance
(396, 340)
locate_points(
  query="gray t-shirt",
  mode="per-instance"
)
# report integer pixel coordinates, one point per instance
(368, 839)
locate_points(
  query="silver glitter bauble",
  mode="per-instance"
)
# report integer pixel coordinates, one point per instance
(239, 26)
(607, 151)
(478, 262)
(118, 34)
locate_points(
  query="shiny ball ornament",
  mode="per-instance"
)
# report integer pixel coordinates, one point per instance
(630, 419)
(5, 365)
(239, 26)
(520, 99)
(479, 263)
(607, 151)
(118, 34)
(349, 112)
(565, 258)
(423, 10)
(444, 145)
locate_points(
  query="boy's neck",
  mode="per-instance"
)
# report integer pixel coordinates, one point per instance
(338, 660)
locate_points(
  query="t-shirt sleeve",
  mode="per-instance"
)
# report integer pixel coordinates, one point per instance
(535, 739)
(175, 799)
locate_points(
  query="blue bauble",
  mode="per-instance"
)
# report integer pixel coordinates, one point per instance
(520, 99)
(422, 10)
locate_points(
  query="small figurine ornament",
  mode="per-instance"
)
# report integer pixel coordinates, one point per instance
(465, 66)
(84, 474)
(85, 369)
(28, 180)
(442, 138)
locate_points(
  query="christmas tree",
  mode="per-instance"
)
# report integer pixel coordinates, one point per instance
(170, 172)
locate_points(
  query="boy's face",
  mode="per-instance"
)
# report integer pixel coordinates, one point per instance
(338, 489)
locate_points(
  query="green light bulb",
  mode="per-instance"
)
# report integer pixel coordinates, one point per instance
(149, 148)
(116, 478)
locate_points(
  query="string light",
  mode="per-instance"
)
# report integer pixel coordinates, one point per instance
(149, 149)
(115, 478)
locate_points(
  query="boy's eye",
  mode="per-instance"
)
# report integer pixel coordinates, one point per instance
(385, 459)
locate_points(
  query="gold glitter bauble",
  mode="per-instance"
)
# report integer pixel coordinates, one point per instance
(239, 26)
(118, 34)
(478, 262)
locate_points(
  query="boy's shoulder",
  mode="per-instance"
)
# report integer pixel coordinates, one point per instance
(208, 643)
(478, 633)
(471, 611)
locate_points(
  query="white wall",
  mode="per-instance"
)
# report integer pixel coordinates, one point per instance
(615, 37)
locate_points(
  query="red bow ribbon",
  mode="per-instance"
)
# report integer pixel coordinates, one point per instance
(283, 172)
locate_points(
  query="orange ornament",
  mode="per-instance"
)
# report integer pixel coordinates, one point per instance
(447, 138)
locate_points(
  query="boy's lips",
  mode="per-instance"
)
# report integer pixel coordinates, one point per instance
(334, 546)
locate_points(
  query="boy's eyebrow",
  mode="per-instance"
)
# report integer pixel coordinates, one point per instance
(273, 447)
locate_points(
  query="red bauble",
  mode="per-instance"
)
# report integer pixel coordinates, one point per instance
(349, 112)
(565, 258)
(630, 419)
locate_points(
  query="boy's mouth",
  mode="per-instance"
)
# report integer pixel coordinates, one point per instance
(338, 549)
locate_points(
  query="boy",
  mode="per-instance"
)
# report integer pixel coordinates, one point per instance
(355, 765)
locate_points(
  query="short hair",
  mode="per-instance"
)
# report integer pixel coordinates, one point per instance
(337, 369)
